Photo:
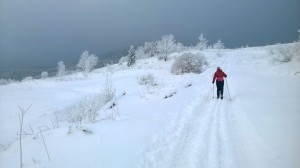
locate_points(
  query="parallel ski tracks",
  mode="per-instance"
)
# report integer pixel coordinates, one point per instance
(206, 140)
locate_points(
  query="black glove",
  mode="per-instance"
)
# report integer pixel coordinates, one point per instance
(213, 82)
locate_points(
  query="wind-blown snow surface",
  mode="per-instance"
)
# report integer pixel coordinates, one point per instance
(259, 127)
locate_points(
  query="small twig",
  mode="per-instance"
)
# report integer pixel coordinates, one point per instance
(22, 132)
(31, 130)
(44, 143)
(21, 119)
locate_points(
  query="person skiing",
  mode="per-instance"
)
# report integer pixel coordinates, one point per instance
(219, 78)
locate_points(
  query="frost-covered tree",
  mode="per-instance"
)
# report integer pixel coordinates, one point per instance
(150, 49)
(87, 62)
(44, 74)
(188, 63)
(140, 53)
(61, 69)
(166, 46)
(218, 45)
(202, 44)
(131, 56)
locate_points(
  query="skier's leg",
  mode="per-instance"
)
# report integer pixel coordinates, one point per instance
(222, 88)
(218, 89)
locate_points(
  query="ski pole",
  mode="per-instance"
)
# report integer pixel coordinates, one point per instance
(213, 90)
(227, 88)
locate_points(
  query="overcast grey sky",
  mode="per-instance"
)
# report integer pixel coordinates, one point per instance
(43, 32)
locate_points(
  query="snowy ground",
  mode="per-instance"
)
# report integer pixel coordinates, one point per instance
(259, 127)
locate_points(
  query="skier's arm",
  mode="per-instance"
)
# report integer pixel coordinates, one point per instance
(214, 78)
(225, 75)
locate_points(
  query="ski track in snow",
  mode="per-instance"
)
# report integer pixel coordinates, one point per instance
(206, 141)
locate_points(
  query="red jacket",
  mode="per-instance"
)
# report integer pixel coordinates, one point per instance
(219, 75)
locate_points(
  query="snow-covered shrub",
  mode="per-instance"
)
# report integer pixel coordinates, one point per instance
(188, 63)
(202, 44)
(44, 74)
(87, 62)
(87, 109)
(109, 90)
(148, 80)
(131, 56)
(123, 59)
(282, 54)
(61, 69)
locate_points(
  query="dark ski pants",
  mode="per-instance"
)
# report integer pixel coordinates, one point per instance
(220, 88)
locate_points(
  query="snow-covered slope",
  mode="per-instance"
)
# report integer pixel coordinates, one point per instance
(258, 127)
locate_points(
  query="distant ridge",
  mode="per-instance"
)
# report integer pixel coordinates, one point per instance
(110, 57)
